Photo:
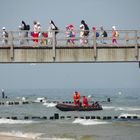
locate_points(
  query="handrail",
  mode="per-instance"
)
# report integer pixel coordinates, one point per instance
(127, 38)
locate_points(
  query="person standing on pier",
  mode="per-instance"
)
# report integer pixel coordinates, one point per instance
(4, 36)
(35, 32)
(52, 27)
(103, 34)
(114, 35)
(85, 28)
(25, 29)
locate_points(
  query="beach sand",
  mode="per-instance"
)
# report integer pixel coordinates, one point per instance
(4, 137)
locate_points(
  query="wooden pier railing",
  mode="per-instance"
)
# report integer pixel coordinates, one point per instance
(21, 47)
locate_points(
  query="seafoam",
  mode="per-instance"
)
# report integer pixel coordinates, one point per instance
(10, 121)
(89, 122)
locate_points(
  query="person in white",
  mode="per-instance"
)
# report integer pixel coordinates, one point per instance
(4, 36)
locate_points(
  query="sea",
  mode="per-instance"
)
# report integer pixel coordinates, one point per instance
(119, 119)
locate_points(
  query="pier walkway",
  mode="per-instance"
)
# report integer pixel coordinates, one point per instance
(20, 49)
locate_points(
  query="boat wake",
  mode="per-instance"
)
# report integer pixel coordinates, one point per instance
(51, 104)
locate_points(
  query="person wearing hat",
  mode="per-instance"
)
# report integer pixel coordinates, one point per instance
(82, 35)
(4, 36)
(72, 35)
(68, 34)
(21, 35)
(52, 28)
(85, 33)
(103, 34)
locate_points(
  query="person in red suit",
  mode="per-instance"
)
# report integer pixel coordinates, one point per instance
(85, 101)
(76, 98)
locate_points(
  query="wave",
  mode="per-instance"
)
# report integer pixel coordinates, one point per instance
(89, 122)
(31, 135)
(10, 121)
(21, 134)
(56, 138)
(126, 114)
(49, 104)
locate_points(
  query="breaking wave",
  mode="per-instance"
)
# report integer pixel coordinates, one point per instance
(10, 121)
(49, 104)
(89, 122)
(21, 134)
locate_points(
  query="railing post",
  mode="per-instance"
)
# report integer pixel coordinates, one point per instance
(11, 46)
(95, 45)
(54, 45)
(136, 44)
(126, 38)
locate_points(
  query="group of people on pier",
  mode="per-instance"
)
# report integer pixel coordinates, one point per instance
(44, 38)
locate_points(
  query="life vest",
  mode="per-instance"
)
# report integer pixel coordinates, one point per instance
(76, 96)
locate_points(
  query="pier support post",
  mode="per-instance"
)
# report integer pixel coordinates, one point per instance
(136, 44)
(95, 45)
(54, 45)
(11, 46)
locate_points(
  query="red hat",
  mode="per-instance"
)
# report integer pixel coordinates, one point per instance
(94, 28)
(71, 26)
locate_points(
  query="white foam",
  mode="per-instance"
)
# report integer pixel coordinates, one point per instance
(49, 104)
(127, 108)
(89, 122)
(122, 108)
(40, 100)
(127, 114)
(120, 93)
(10, 121)
(109, 107)
(21, 134)
(56, 139)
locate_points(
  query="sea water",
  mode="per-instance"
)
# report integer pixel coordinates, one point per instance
(124, 102)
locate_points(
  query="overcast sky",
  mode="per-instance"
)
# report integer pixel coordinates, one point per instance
(124, 14)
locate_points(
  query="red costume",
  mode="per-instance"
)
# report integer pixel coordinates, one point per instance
(85, 101)
(76, 98)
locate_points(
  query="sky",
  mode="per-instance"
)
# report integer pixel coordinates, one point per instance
(124, 14)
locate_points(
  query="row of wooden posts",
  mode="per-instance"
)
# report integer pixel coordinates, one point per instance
(57, 116)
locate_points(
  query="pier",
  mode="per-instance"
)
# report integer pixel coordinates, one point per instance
(58, 51)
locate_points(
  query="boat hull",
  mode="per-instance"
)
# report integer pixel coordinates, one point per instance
(70, 107)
